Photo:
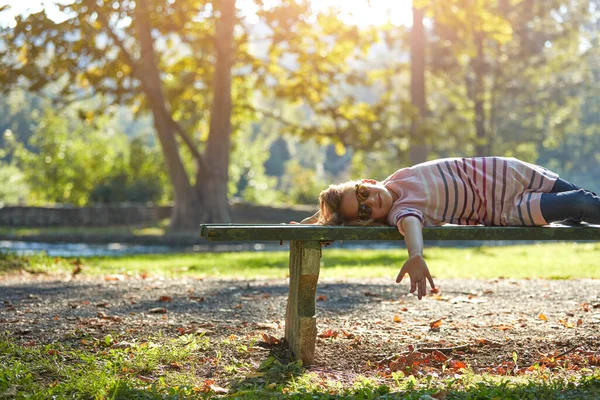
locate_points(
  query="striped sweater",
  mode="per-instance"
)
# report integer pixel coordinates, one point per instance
(471, 191)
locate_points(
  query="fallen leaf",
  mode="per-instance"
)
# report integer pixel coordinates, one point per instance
(439, 297)
(270, 340)
(165, 298)
(397, 318)
(322, 298)
(543, 317)
(348, 335)
(175, 365)
(436, 324)
(565, 322)
(144, 379)
(456, 365)
(218, 389)
(503, 327)
(329, 333)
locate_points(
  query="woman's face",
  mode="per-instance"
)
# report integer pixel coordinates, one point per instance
(369, 200)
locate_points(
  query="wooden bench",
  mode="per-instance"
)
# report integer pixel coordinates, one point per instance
(305, 256)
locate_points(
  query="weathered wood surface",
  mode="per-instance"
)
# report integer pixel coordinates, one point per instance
(281, 232)
(300, 319)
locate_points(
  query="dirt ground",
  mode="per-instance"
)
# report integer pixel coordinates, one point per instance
(364, 326)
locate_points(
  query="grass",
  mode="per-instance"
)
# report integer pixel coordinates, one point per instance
(180, 368)
(548, 260)
(184, 367)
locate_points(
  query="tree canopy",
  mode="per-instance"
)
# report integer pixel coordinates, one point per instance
(501, 77)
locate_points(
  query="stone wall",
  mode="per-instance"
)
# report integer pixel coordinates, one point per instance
(135, 214)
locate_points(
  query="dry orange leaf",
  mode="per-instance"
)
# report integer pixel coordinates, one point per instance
(165, 298)
(329, 333)
(322, 298)
(503, 327)
(144, 379)
(456, 365)
(565, 322)
(268, 339)
(435, 324)
(543, 317)
(397, 318)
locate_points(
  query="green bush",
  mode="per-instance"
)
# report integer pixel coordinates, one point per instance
(13, 188)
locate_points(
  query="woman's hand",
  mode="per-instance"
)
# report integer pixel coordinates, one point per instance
(416, 268)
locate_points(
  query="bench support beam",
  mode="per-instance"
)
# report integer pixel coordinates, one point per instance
(300, 319)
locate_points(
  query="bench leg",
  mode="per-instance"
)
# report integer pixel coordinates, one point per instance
(300, 320)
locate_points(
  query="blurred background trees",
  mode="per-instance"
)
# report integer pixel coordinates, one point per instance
(196, 101)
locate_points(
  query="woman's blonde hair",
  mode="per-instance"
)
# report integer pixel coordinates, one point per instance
(330, 204)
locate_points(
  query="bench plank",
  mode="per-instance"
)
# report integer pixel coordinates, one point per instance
(281, 232)
(300, 319)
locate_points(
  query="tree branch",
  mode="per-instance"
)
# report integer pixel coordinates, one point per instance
(133, 64)
(188, 141)
(134, 68)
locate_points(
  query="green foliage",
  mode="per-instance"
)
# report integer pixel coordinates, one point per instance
(140, 178)
(531, 65)
(79, 162)
(13, 188)
(20, 111)
(300, 184)
(247, 176)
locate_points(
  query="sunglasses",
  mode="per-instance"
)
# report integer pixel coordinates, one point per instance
(362, 194)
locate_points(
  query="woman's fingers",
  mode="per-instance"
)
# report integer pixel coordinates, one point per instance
(423, 288)
(430, 281)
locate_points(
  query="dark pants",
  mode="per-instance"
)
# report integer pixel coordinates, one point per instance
(571, 204)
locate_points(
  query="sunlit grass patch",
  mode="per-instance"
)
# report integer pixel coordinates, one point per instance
(195, 365)
(547, 260)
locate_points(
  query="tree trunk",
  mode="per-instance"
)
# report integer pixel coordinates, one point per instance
(418, 146)
(187, 212)
(481, 144)
(212, 184)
